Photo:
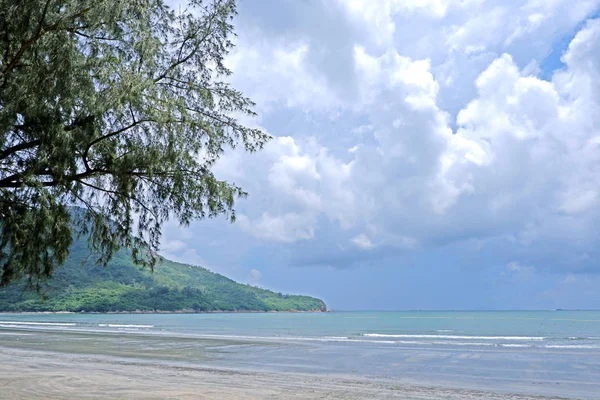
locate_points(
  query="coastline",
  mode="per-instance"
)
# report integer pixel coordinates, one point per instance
(337, 355)
(161, 312)
(33, 374)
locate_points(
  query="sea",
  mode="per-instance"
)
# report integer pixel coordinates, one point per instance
(550, 353)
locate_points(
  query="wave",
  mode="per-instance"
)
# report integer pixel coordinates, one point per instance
(583, 338)
(444, 343)
(356, 340)
(38, 323)
(447, 341)
(126, 326)
(34, 324)
(456, 337)
(473, 344)
(297, 338)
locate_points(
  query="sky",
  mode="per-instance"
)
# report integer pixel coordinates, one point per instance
(426, 154)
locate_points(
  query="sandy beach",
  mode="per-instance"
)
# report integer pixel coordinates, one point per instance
(289, 356)
(30, 374)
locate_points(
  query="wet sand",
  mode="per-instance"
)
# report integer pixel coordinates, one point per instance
(33, 374)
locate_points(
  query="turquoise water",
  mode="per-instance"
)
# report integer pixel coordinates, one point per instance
(539, 352)
(535, 329)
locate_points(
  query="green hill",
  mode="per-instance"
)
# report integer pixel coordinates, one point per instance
(79, 285)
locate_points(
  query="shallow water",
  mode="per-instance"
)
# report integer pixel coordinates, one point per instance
(541, 352)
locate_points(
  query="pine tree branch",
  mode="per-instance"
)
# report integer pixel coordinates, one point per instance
(21, 146)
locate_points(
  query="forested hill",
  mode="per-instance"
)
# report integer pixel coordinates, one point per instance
(79, 285)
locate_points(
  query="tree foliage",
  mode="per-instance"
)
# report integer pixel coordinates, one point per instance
(121, 107)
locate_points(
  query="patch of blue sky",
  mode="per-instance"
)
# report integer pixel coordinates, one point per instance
(553, 60)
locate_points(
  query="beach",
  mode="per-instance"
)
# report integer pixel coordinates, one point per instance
(29, 374)
(338, 355)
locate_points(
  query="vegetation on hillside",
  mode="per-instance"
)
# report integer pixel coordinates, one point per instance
(80, 285)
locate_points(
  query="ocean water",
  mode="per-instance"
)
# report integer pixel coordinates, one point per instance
(535, 352)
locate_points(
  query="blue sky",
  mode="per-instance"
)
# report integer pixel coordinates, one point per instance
(427, 154)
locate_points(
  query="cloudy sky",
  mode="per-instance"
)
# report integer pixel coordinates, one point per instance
(426, 154)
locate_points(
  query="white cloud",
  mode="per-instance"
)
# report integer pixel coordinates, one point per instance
(417, 124)
(513, 163)
(255, 277)
(288, 227)
(186, 255)
(578, 202)
(362, 241)
(279, 76)
(172, 245)
(518, 273)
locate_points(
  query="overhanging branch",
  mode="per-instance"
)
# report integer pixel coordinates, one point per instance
(21, 146)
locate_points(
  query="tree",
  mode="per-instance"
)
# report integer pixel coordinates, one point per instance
(120, 108)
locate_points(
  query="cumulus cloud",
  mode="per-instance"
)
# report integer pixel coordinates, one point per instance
(413, 125)
(287, 228)
(522, 158)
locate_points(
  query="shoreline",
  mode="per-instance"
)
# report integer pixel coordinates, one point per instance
(162, 312)
(32, 374)
(307, 362)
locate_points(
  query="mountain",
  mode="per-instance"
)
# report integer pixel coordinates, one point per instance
(79, 285)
